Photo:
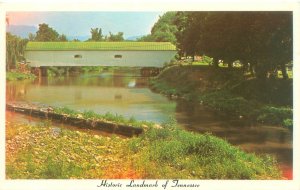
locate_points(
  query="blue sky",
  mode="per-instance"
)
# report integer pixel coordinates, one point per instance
(80, 23)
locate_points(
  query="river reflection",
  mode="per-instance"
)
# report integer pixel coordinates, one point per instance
(128, 95)
(101, 93)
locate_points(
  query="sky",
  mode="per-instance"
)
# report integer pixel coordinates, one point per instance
(80, 23)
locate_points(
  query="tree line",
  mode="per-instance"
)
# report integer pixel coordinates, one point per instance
(262, 41)
(48, 34)
(15, 45)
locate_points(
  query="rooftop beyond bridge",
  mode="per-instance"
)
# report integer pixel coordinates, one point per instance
(127, 54)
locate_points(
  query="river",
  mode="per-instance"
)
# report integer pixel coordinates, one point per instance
(127, 94)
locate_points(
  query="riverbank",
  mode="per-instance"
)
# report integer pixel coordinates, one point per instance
(110, 123)
(13, 76)
(230, 93)
(48, 152)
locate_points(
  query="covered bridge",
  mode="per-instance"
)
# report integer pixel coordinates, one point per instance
(127, 54)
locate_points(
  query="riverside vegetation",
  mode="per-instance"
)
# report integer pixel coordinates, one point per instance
(12, 76)
(47, 152)
(230, 92)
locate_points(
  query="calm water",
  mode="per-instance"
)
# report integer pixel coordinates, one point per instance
(128, 94)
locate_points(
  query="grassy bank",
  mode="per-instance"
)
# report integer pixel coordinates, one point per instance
(92, 116)
(12, 76)
(46, 152)
(228, 91)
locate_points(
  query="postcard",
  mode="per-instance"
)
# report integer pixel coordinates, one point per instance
(149, 95)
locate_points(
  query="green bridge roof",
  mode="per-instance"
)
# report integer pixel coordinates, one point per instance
(95, 46)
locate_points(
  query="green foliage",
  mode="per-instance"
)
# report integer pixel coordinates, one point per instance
(57, 169)
(288, 123)
(88, 114)
(276, 91)
(163, 30)
(231, 36)
(195, 156)
(115, 37)
(66, 111)
(55, 157)
(146, 38)
(87, 69)
(163, 88)
(46, 34)
(276, 115)
(62, 38)
(12, 76)
(15, 47)
(166, 152)
(96, 35)
(31, 37)
(56, 71)
(221, 90)
(226, 102)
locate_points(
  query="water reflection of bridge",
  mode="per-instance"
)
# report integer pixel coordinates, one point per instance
(113, 80)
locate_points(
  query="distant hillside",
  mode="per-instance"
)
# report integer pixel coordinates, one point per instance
(21, 30)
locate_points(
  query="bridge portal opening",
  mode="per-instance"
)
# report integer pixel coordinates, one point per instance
(77, 56)
(118, 56)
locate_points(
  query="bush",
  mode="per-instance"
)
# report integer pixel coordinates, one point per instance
(224, 101)
(288, 123)
(275, 115)
(11, 76)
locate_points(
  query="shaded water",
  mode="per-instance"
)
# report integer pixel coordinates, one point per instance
(128, 94)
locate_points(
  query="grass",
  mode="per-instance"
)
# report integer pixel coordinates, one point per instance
(13, 76)
(88, 114)
(90, 46)
(34, 152)
(38, 153)
(195, 156)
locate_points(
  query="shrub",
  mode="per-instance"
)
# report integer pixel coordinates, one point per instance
(11, 76)
(288, 123)
(275, 115)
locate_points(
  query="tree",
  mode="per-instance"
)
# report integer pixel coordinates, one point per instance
(15, 47)
(31, 37)
(187, 32)
(62, 38)
(163, 30)
(181, 21)
(146, 38)
(96, 34)
(45, 33)
(115, 37)
(263, 39)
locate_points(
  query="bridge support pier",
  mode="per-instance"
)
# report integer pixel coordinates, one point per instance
(66, 71)
(43, 72)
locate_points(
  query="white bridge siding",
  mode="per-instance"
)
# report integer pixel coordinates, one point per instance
(139, 58)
